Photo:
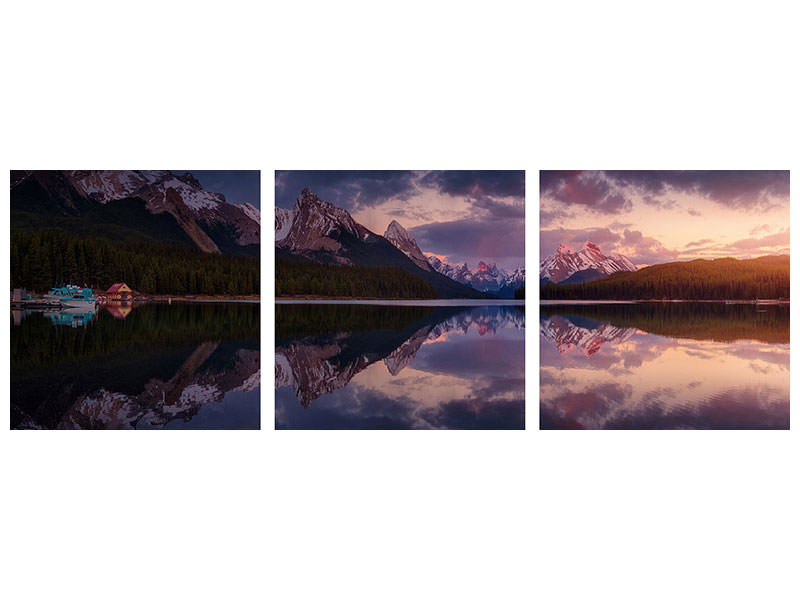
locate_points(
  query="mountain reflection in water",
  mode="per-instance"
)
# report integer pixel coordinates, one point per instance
(152, 366)
(664, 366)
(351, 366)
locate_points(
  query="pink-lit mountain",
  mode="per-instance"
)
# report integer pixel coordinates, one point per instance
(587, 264)
(485, 277)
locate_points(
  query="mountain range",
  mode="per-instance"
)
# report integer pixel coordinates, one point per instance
(486, 277)
(765, 277)
(587, 264)
(319, 231)
(159, 205)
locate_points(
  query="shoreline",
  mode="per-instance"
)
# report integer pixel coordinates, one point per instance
(198, 298)
(762, 301)
(402, 301)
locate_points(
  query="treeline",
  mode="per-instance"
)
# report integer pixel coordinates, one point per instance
(519, 293)
(305, 278)
(720, 279)
(50, 257)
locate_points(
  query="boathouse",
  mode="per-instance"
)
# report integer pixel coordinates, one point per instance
(119, 292)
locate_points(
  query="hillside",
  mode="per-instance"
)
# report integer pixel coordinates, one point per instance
(126, 205)
(303, 277)
(719, 279)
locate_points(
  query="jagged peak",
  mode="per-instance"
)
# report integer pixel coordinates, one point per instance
(397, 230)
(307, 196)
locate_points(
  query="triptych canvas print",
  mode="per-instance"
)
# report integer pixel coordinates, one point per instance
(399, 302)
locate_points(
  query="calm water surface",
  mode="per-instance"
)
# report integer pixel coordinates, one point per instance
(429, 366)
(156, 366)
(664, 366)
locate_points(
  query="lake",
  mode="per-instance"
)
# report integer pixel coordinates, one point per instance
(664, 366)
(150, 366)
(399, 366)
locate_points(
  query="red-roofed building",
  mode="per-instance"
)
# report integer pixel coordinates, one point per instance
(119, 292)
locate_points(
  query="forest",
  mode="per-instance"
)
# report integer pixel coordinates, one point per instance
(46, 258)
(719, 279)
(306, 278)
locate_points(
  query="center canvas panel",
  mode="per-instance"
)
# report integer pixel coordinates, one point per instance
(400, 300)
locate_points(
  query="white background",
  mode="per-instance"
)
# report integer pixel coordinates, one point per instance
(425, 85)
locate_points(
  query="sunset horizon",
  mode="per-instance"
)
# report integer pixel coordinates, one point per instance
(655, 217)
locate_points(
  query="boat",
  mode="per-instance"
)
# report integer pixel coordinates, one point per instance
(73, 317)
(72, 296)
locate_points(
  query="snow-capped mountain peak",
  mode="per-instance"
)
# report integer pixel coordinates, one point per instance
(405, 242)
(313, 224)
(565, 263)
(205, 216)
(486, 277)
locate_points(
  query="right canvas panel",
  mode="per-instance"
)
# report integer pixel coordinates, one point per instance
(664, 300)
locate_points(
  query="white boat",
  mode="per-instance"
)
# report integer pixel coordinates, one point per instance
(73, 296)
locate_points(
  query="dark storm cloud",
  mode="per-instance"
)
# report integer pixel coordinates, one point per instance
(749, 190)
(586, 188)
(471, 239)
(352, 189)
(346, 189)
(607, 191)
(237, 186)
(477, 184)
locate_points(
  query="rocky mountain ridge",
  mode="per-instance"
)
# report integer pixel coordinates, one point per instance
(212, 223)
(589, 261)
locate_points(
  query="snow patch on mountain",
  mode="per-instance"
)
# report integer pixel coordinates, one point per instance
(565, 262)
(486, 277)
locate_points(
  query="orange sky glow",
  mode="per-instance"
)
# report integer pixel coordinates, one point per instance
(662, 216)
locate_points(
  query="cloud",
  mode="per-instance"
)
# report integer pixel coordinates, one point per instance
(642, 249)
(585, 188)
(702, 242)
(613, 192)
(477, 184)
(756, 230)
(694, 212)
(768, 241)
(748, 190)
(639, 248)
(660, 202)
(616, 225)
(471, 240)
(346, 189)
(550, 239)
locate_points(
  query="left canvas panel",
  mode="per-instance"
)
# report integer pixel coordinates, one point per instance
(135, 299)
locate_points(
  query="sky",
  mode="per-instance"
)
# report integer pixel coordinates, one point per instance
(237, 186)
(662, 216)
(460, 216)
